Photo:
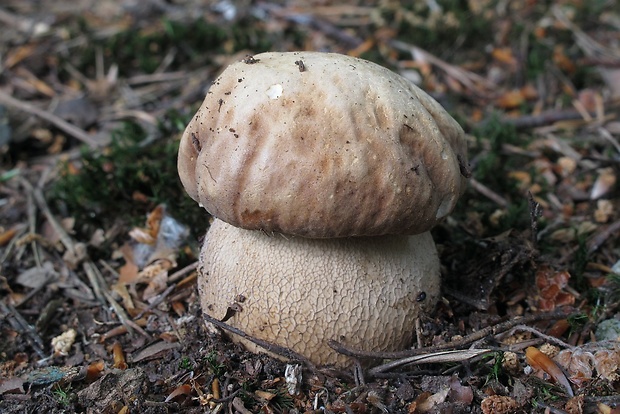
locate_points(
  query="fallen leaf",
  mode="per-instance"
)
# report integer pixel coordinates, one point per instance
(538, 360)
(427, 401)
(154, 351)
(266, 395)
(504, 55)
(460, 393)
(7, 235)
(511, 99)
(562, 61)
(604, 183)
(36, 277)
(11, 385)
(184, 389)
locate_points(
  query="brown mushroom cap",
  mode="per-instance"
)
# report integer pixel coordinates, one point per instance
(322, 145)
(364, 292)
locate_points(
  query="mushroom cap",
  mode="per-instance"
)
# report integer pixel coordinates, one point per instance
(335, 146)
(364, 292)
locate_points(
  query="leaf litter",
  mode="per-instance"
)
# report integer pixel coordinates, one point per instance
(99, 309)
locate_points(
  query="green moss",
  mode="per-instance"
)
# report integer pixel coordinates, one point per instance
(124, 182)
(417, 24)
(191, 45)
(492, 166)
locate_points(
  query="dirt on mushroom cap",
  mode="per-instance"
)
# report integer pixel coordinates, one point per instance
(333, 147)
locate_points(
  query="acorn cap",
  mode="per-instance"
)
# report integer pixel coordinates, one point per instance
(322, 145)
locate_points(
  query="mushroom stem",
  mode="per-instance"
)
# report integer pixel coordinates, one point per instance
(301, 293)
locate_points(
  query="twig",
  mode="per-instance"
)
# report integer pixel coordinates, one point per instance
(70, 129)
(534, 214)
(32, 226)
(103, 294)
(488, 193)
(158, 299)
(20, 324)
(470, 80)
(473, 337)
(65, 239)
(179, 274)
(602, 235)
(238, 404)
(545, 118)
(590, 46)
(548, 338)
(276, 349)
(124, 318)
(433, 358)
(309, 20)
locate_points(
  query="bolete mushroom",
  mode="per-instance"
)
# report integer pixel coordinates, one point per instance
(324, 174)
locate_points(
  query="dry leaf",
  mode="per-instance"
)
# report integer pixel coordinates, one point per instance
(18, 53)
(184, 389)
(529, 92)
(563, 61)
(504, 55)
(128, 273)
(149, 234)
(604, 183)
(265, 395)
(427, 401)
(538, 360)
(14, 385)
(37, 276)
(156, 285)
(7, 235)
(154, 351)
(511, 99)
(460, 393)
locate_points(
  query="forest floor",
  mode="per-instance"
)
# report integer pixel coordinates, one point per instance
(99, 310)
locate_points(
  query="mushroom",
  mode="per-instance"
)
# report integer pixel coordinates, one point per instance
(324, 174)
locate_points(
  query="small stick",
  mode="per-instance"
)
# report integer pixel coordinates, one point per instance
(276, 349)
(124, 318)
(488, 193)
(534, 214)
(548, 338)
(437, 357)
(18, 323)
(158, 299)
(70, 129)
(179, 274)
(473, 337)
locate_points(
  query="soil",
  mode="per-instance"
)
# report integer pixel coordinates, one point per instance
(99, 311)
